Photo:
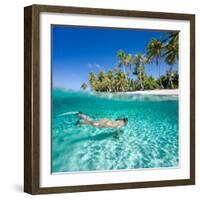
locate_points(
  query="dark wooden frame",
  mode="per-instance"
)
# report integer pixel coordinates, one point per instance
(32, 104)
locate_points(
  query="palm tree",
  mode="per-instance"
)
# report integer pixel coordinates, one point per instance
(121, 55)
(171, 53)
(140, 61)
(120, 82)
(125, 61)
(128, 63)
(154, 53)
(84, 86)
(103, 82)
(110, 77)
(93, 81)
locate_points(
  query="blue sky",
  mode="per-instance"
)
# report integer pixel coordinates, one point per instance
(78, 50)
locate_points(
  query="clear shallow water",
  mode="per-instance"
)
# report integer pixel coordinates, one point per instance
(150, 140)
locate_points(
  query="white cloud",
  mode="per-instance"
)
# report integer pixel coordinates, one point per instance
(98, 66)
(89, 66)
(93, 66)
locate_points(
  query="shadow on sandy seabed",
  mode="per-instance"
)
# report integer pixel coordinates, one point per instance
(99, 137)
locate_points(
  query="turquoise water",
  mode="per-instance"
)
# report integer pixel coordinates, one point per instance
(150, 140)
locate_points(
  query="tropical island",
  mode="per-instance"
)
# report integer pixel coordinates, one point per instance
(130, 73)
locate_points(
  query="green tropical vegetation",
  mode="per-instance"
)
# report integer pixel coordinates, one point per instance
(84, 86)
(130, 72)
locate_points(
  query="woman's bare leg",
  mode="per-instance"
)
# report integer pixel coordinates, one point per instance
(85, 118)
(81, 123)
(118, 132)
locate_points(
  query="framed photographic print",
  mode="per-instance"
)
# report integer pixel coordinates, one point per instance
(109, 99)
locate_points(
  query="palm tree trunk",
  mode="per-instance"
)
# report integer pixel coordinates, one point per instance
(170, 77)
(171, 82)
(141, 85)
(161, 85)
(124, 70)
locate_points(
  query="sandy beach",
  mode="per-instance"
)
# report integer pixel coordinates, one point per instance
(157, 92)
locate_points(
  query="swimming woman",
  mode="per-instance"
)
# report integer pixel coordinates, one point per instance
(103, 123)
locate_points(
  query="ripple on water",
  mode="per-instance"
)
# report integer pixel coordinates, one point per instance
(150, 140)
